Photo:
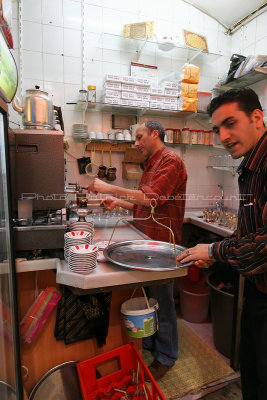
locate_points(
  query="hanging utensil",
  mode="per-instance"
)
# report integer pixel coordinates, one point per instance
(102, 168)
(92, 165)
(111, 172)
(82, 162)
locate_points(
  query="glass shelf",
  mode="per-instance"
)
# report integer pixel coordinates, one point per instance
(231, 169)
(256, 75)
(118, 109)
(121, 43)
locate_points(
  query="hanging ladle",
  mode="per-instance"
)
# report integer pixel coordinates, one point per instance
(102, 168)
(111, 173)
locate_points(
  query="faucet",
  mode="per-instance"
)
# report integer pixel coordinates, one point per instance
(220, 204)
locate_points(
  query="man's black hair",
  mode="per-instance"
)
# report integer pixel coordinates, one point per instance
(246, 99)
(156, 126)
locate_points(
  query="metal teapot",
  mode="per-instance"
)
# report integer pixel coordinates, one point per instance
(37, 110)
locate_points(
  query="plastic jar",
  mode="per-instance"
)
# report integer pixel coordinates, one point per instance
(212, 137)
(200, 137)
(91, 94)
(206, 138)
(169, 135)
(185, 135)
(193, 136)
(176, 136)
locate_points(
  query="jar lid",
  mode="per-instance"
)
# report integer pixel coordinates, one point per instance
(168, 129)
(91, 87)
(185, 129)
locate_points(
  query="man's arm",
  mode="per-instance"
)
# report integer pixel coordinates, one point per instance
(111, 202)
(129, 195)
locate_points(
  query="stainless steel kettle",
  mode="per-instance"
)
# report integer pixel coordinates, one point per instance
(37, 110)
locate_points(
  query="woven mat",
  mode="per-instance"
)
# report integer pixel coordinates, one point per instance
(197, 365)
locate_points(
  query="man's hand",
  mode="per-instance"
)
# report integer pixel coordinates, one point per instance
(199, 254)
(110, 203)
(99, 186)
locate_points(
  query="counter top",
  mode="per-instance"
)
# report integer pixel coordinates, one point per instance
(103, 231)
(108, 275)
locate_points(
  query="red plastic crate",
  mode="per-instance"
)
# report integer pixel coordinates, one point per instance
(106, 387)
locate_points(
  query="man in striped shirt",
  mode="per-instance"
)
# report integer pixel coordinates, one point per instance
(238, 118)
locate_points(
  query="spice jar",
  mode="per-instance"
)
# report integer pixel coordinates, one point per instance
(200, 137)
(206, 138)
(193, 136)
(169, 135)
(185, 135)
(176, 136)
(91, 94)
(212, 137)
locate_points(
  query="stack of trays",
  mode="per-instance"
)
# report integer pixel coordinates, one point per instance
(87, 226)
(82, 258)
(76, 238)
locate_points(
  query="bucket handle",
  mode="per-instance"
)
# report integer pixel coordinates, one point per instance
(145, 296)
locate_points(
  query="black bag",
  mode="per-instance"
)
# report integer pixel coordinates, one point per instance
(236, 60)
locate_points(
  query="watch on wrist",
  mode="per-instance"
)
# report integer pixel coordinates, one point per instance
(210, 250)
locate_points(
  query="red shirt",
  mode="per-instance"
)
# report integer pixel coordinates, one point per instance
(164, 179)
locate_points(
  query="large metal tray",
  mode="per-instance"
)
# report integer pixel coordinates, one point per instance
(145, 255)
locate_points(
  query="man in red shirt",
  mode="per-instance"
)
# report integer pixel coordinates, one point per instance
(164, 179)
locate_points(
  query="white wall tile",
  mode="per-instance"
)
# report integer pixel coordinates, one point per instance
(52, 39)
(53, 68)
(148, 10)
(31, 83)
(261, 46)
(112, 22)
(32, 65)
(111, 56)
(111, 68)
(55, 91)
(165, 9)
(261, 23)
(15, 9)
(15, 33)
(32, 36)
(250, 33)
(72, 14)
(72, 43)
(31, 10)
(70, 95)
(93, 18)
(72, 70)
(52, 12)
(94, 2)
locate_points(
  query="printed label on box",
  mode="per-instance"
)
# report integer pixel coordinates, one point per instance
(113, 93)
(128, 95)
(125, 87)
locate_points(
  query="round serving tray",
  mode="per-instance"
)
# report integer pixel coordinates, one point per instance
(145, 255)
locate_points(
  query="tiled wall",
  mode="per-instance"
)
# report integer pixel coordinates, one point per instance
(52, 40)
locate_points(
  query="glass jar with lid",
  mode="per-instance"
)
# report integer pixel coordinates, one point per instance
(185, 135)
(212, 137)
(200, 137)
(193, 136)
(91, 94)
(176, 136)
(206, 138)
(169, 135)
(82, 98)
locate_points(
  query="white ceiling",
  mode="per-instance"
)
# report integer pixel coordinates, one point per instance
(227, 12)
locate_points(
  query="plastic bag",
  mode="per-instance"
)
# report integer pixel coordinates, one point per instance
(38, 314)
(236, 60)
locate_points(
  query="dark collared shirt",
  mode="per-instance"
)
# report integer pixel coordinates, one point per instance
(164, 179)
(246, 250)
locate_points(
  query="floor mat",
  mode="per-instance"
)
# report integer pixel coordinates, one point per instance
(196, 366)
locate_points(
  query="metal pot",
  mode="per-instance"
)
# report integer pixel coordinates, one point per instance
(37, 110)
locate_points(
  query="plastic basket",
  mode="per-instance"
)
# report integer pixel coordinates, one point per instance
(127, 382)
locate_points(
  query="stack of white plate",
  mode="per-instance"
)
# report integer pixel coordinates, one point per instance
(76, 238)
(79, 131)
(82, 258)
(87, 226)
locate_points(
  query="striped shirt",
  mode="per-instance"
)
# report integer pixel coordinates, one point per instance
(164, 179)
(246, 249)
